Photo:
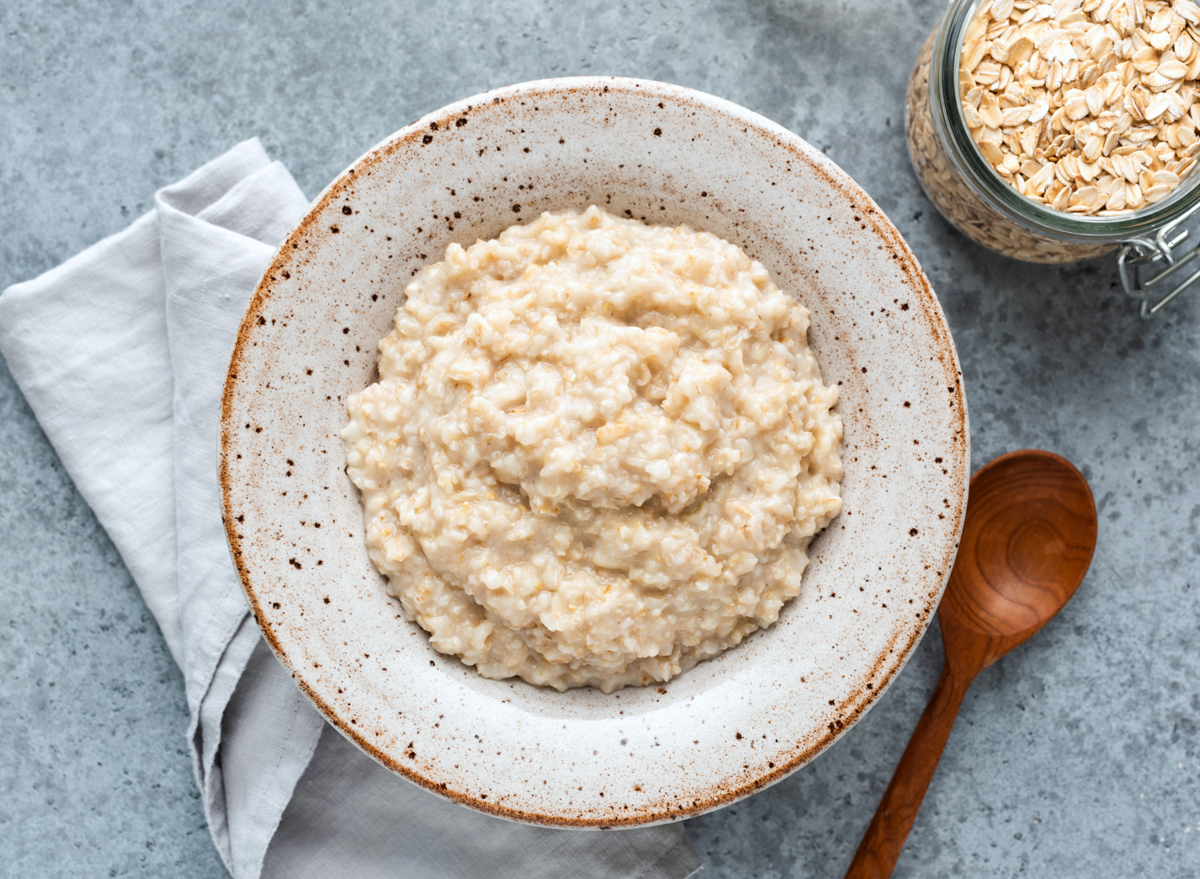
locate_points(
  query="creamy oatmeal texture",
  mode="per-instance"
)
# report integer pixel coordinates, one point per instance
(597, 451)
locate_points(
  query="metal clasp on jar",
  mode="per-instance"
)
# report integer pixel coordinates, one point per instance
(1142, 253)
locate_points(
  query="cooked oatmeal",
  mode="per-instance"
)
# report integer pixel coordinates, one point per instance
(597, 451)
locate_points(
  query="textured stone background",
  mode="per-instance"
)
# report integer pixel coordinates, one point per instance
(1078, 756)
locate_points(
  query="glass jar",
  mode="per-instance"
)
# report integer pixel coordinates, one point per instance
(981, 204)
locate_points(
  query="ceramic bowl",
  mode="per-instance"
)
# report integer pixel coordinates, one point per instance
(731, 725)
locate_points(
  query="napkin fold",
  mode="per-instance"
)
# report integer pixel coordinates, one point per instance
(122, 353)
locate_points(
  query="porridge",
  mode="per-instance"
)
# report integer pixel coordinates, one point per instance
(597, 451)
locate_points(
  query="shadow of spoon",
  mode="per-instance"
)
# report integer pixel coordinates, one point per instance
(1027, 541)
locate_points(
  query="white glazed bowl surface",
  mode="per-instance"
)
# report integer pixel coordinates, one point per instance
(730, 726)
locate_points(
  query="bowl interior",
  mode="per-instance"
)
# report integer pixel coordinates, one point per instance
(730, 726)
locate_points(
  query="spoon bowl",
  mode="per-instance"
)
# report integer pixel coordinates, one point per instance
(1027, 541)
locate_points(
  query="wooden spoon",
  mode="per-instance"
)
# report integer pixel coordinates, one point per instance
(1027, 541)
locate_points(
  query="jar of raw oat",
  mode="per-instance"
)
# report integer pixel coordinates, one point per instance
(1054, 132)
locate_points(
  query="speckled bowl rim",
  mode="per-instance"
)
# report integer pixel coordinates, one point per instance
(903, 642)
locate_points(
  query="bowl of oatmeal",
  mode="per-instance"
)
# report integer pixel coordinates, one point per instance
(594, 453)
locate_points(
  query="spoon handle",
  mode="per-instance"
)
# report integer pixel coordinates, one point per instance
(884, 839)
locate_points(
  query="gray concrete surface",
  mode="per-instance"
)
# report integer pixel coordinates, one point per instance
(1078, 756)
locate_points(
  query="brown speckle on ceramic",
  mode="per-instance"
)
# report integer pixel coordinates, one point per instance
(731, 725)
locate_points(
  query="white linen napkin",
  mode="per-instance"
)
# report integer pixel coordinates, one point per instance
(122, 353)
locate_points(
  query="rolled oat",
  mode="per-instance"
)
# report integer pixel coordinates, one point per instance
(1084, 106)
(957, 201)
